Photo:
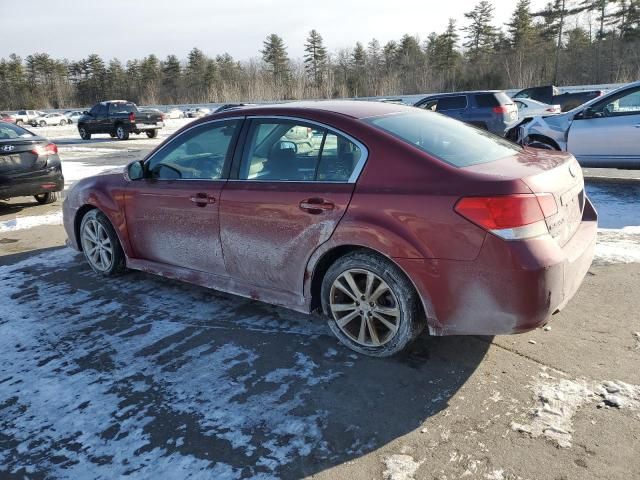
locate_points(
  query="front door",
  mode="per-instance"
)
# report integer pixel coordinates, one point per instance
(173, 213)
(610, 133)
(293, 183)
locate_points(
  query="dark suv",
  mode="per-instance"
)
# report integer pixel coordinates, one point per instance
(490, 110)
(119, 118)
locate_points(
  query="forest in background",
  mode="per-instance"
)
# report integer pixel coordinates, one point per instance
(569, 42)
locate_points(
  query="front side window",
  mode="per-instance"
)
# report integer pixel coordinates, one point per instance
(287, 150)
(449, 140)
(451, 103)
(625, 103)
(199, 154)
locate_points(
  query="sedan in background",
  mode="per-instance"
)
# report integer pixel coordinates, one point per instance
(604, 132)
(73, 116)
(530, 108)
(394, 219)
(198, 112)
(7, 117)
(29, 165)
(49, 119)
(175, 113)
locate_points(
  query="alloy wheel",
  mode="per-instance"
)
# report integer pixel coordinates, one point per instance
(364, 307)
(97, 245)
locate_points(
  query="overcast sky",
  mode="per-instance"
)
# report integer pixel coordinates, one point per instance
(135, 28)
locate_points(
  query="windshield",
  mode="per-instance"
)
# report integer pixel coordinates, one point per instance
(449, 140)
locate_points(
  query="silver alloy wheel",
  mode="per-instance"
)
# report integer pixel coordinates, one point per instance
(120, 132)
(97, 245)
(83, 132)
(364, 307)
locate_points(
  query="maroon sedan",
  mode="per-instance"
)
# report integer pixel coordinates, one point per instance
(386, 218)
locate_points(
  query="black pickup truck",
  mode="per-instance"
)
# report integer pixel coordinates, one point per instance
(551, 95)
(119, 118)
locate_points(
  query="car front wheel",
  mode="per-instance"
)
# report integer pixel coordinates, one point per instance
(84, 134)
(371, 305)
(100, 244)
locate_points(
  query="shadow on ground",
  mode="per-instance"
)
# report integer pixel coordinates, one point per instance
(143, 376)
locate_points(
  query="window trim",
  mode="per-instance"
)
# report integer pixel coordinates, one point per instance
(227, 163)
(604, 102)
(357, 170)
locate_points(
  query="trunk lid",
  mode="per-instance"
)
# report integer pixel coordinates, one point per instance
(16, 156)
(544, 171)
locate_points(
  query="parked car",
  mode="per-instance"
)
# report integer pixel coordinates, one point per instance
(27, 116)
(119, 118)
(604, 132)
(197, 112)
(400, 218)
(49, 119)
(530, 108)
(73, 116)
(551, 95)
(490, 110)
(7, 117)
(175, 113)
(229, 106)
(29, 165)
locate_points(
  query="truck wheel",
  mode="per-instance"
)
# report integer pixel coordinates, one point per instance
(84, 135)
(122, 133)
(152, 133)
(48, 197)
(19, 122)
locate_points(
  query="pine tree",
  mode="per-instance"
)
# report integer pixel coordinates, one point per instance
(274, 54)
(481, 34)
(171, 78)
(315, 57)
(521, 29)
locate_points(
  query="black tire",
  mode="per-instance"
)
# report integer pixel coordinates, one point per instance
(541, 144)
(152, 133)
(411, 321)
(63, 123)
(19, 123)
(42, 123)
(84, 134)
(117, 265)
(48, 197)
(122, 133)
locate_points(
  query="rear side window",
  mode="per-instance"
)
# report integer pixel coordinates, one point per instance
(451, 103)
(449, 140)
(490, 100)
(9, 131)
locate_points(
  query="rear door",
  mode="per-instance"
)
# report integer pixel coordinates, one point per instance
(611, 135)
(454, 107)
(289, 188)
(173, 213)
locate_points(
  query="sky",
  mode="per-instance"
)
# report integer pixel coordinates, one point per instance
(130, 29)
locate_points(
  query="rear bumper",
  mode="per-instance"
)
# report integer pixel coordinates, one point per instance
(141, 127)
(512, 287)
(32, 183)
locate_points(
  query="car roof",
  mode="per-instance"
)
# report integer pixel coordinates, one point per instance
(469, 92)
(350, 108)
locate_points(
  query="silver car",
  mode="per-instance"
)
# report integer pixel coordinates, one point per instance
(604, 132)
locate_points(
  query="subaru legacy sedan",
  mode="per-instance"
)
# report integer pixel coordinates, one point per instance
(384, 218)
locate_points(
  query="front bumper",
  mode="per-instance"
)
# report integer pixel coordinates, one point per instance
(32, 183)
(512, 287)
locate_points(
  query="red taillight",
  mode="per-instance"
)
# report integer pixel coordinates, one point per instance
(506, 215)
(501, 109)
(132, 117)
(50, 149)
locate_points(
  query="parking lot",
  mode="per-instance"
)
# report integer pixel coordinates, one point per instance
(149, 377)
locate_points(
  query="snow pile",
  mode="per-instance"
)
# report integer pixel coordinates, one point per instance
(400, 467)
(24, 223)
(74, 171)
(619, 394)
(557, 402)
(618, 245)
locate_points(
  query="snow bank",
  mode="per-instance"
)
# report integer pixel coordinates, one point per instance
(400, 467)
(618, 245)
(31, 221)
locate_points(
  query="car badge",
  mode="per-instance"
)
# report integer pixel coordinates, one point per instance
(7, 148)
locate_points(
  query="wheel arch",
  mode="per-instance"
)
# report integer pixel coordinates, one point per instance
(77, 222)
(543, 138)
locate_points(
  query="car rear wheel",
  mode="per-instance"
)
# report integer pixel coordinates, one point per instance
(84, 135)
(152, 133)
(42, 123)
(19, 123)
(100, 244)
(371, 305)
(122, 133)
(48, 197)
(63, 123)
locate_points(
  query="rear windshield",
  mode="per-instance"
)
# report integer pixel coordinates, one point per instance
(122, 107)
(9, 131)
(490, 100)
(449, 140)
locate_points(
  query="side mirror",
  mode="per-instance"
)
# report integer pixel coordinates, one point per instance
(135, 171)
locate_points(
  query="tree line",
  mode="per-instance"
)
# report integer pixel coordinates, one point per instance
(568, 42)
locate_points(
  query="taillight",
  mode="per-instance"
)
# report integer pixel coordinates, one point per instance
(132, 117)
(50, 149)
(501, 109)
(510, 217)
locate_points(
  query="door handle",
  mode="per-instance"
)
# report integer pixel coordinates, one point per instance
(316, 205)
(202, 199)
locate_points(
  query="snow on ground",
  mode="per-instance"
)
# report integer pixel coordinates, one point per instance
(147, 379)
(558, 400)
(618, 245)
(74, 171)
(31, 221)
(400, 467)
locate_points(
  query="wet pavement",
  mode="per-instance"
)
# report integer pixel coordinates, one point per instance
(618, 204)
